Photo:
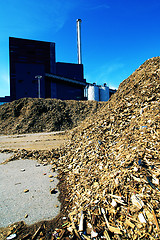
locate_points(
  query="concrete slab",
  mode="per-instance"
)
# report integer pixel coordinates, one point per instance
(38, 203)
(5, 156)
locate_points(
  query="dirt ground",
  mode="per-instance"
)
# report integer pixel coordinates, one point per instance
(36, 141)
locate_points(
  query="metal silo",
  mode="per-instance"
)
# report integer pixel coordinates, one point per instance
(93, 92)
(104, 93)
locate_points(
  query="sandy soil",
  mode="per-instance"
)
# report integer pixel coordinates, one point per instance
(35, 141)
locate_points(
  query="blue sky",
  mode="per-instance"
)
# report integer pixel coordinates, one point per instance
(117, 35)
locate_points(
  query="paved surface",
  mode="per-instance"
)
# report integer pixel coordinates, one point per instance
(38, 203)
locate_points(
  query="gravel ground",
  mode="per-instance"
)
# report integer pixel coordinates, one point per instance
(35, 205)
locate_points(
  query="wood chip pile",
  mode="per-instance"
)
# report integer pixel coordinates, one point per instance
(31, 115)
(112, 167)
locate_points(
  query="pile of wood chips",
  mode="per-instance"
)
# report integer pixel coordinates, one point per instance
(33, 115)
(110, 169)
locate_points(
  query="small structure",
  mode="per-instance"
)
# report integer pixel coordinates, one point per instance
(99, 92)
(103, 93)
(93, 92)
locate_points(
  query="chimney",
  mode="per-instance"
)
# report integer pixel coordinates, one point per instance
(79, 41)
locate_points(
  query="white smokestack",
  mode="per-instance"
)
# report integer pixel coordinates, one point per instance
(79, 41)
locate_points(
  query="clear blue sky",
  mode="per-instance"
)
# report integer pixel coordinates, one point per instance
(117, 35)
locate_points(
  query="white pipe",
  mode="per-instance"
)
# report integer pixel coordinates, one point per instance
(39, 85)
(79, 41)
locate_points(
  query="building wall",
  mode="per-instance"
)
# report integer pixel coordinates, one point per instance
(26, 83)
(66, 91)
(29, 58)
(69, 92)
(31, 53)
(70, 70)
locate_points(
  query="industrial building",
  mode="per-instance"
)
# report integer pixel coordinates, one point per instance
(34, 72)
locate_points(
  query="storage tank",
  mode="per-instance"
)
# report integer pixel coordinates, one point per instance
(103, 93)
(93, 92)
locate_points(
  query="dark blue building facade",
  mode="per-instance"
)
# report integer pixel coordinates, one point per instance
(30, 58)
